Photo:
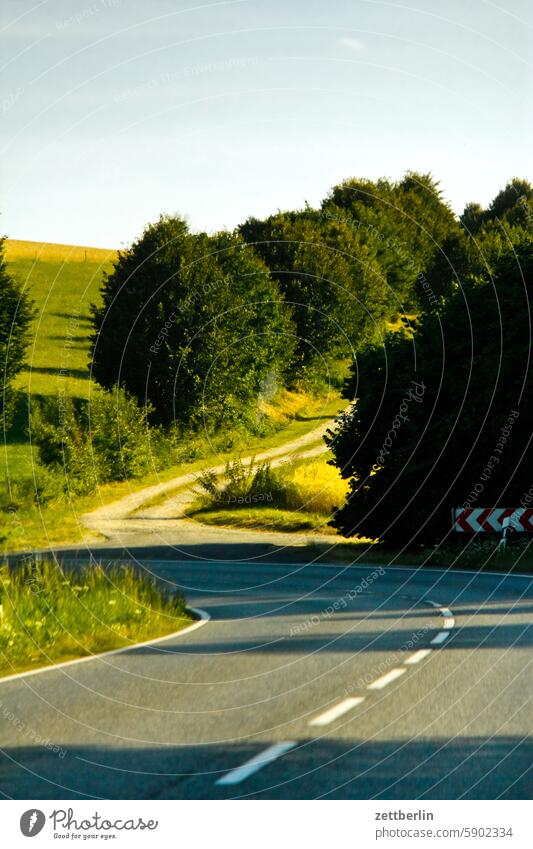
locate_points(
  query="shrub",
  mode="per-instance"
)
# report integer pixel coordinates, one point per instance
(105, 439)
(310, 487)
(240, 484)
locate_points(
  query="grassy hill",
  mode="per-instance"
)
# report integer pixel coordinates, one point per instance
(62, 280)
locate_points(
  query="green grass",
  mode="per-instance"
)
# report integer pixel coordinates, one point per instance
(483, 556)
(298, 496)
(58, 521)
(264, 519)
(50, 614)
(62, 285)
(62, 281)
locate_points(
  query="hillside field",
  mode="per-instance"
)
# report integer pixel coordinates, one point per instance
(62, 281)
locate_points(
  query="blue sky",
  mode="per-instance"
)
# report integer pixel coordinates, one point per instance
(114, 111)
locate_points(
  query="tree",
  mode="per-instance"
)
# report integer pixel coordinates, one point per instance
(330, 278)
(444, 419)
(16, 314)
(192, 324)
(405, 223)
(484, 237)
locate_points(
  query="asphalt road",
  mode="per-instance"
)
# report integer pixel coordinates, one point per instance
(308, 681)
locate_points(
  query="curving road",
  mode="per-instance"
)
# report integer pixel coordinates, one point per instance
(307, 681)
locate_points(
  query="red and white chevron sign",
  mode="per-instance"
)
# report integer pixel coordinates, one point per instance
(475, 519)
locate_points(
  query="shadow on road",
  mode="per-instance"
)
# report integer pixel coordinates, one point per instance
(471, 768)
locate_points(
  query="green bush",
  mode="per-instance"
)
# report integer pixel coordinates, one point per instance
(194, 323)
(240, 484)
(308, 486)
(105, 439)
(43, 487)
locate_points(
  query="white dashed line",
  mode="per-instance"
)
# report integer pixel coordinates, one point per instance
(418, 656)
(388, 678)
(337, 710)
(441, 636)
(448, 624)
(258, 762)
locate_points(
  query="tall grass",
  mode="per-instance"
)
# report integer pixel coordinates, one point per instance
(49, 613)
(310, 486)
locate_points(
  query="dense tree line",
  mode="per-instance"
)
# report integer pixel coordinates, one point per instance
(194, 329)
(443, 418)
(198, 325)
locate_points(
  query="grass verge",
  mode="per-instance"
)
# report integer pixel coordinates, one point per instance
(264, 519)
(476, 555)
(298, 496)
(50, 614)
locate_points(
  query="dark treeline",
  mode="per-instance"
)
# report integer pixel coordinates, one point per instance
(197, 325)
(444, 415)
(195, 329)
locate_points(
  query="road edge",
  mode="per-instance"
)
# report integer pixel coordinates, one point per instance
(203, 620)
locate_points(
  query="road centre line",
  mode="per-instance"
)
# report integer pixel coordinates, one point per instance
(440, 638)
(388, 678)
(256, 763)
(418, 656)
(275, 751)
(337, 710)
